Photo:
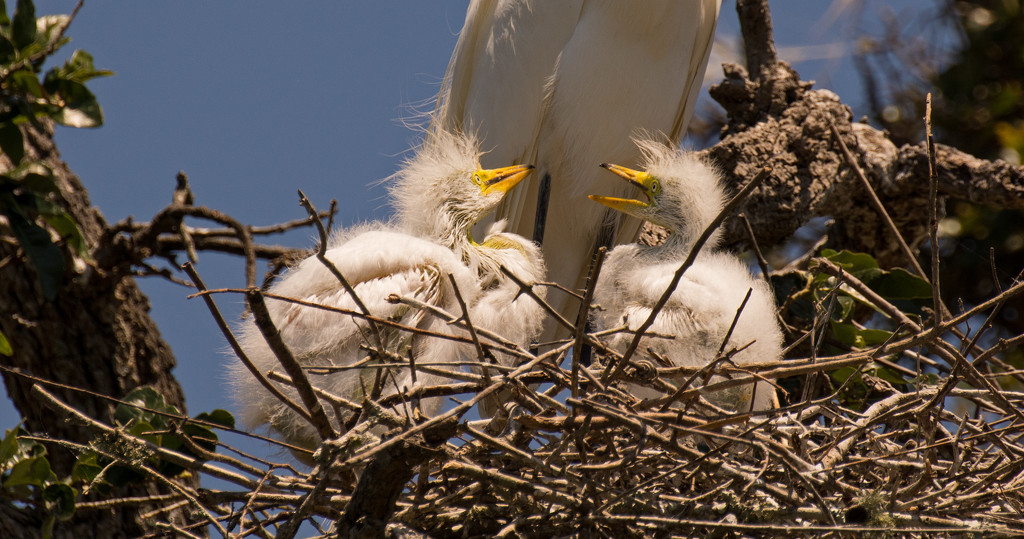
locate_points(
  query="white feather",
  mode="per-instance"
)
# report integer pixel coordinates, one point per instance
(565, 84)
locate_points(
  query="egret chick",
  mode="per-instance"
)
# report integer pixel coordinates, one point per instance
(380, 260)
(501, 306)
(684, 195)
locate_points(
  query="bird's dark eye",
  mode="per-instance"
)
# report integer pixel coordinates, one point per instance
(655, 187)
(476, 179)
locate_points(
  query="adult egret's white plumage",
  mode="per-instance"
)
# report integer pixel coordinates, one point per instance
(564, 84)
(410, 257)
(684, 195)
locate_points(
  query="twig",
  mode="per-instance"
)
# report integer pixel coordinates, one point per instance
(237, 348)
(933, 209)
(264, 322)
(321, 255)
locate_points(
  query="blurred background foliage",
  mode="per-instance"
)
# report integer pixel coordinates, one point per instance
(970, 55)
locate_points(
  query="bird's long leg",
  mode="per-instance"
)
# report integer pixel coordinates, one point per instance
(581, 352)
(541, 218)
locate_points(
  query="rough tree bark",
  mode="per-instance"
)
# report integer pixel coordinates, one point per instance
(97, 335)
(775, 119)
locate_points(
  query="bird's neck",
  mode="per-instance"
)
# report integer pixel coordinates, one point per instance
(684, 241)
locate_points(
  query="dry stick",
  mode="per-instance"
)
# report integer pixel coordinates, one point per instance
(237, 348)
(523, 456)
(991, 316)
(663, 524)
(183, 196)
(472, 330)
(504, 345)
(458, 410)
(166, 454)
(209, 233)
(261, 316)
(939, 346)
(177, 417)
(528, 290)
(583, 315)
(817, 331)
(303, 509)
(876, 201)
(829, 268)
(933, 216)
(761, 261)
(173, 214)
(321, 255)
(640, 427)
(615, 369)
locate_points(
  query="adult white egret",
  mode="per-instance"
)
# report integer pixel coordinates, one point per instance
(684, 195)
(411, 257)
(565, 84)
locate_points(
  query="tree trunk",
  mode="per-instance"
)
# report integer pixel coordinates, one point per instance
(96, 335)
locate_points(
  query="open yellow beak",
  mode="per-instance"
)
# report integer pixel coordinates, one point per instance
(640, 179)
(502, 179)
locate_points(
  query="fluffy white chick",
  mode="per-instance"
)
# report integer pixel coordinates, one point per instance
(440, 194)
(684, 195)
(501, 306)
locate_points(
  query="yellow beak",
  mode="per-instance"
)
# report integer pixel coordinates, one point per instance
(502, 179)
(640, 179)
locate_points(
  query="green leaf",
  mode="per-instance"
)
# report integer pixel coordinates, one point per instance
(146, 431)
(11, 142)
(218, 416)
(4, 21)
(61, 500)
(79, 68)
(23, 24)
(858, 338)
(67, 228)
(861, 265)
(26, 82)
(849, 260)
(48, 29)
(86, 467)
(901, 284)
(47, 258)
(841, 374)
(9, 447)
(32, 471)
(5, 349)
(80, 107)
(7, 50)
(149, 398)
(889, 375)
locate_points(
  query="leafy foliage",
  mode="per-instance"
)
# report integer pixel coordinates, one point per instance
(148, 417)
(854, 322)
(25, 476)
(27, 190)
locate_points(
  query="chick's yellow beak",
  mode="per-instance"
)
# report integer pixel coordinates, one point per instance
(501, 179)
(640, 179)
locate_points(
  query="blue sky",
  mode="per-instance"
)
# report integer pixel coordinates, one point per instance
(256, 99)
